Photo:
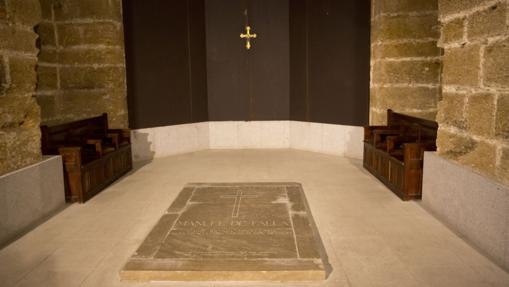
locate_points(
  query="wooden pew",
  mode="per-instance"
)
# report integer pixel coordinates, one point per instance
(394, 153)
(93, 155)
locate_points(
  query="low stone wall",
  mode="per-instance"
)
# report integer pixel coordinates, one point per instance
(405, 59)
(472, 205)
(30, 195)
(330, 139)
(474, 113)
(82, 64)
(19, 112)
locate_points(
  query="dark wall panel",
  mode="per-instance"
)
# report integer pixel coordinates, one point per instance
(198, 60)
(242, 84)
(298, 61)
(332, 58)
(186, 63)
(227, 70)
(339, 61)
(269, 60)
(165, 65)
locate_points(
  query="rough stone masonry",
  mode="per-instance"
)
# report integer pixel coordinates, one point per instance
(405, 59)
(78, 72)
(19, 112)
(81, 66)
(473, 115)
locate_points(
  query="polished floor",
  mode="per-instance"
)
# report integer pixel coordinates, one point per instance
(371, 237)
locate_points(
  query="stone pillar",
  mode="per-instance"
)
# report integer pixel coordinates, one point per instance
(405, 59)
(82, 64)
(474, 112)
(19, 112)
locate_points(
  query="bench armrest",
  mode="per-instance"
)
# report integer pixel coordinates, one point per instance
(124, 135)
(98, 144)
(380, 136)
(413, 155)
(114, 139)
(368, 131)
(387, 132)
(71, 156)
(396, 141)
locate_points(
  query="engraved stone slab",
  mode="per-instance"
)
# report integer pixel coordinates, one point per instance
(232, 231)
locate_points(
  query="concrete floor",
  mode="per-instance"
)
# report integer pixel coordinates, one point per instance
(371, 237)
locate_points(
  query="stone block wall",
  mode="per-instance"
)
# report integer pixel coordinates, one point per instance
(474, 113)
(19, 112)
(81, 70)
(405, 59)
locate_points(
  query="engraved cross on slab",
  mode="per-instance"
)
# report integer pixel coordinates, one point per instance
(274, 238)
(236, 205)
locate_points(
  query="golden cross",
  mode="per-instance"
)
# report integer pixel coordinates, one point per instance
(248, 37)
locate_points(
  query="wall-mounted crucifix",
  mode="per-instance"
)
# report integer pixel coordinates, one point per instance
(248, 37)
(248, 77)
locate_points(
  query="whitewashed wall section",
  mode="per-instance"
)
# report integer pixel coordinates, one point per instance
(323, 138)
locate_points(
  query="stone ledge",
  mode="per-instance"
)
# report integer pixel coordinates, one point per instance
(287, 276)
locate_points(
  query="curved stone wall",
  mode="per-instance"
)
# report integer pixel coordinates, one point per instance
(339, 140)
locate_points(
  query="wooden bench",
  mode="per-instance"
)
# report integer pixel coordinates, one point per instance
(394, 153)
(93, 155)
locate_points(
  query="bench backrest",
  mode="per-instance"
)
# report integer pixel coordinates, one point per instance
(425, 130)
(72, 133)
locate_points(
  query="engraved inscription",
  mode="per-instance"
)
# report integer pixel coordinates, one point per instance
(232, 222)
(232, 227)
(241, 229)
(232, 231)
(212, 223)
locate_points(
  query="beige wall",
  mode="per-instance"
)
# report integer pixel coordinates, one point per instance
(19, 112)
(474, 113)
(405, 59)
(81, 66)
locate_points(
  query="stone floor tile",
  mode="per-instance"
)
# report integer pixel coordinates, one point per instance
(372, 238)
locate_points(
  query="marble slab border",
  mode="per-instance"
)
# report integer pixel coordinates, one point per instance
(307, 264)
